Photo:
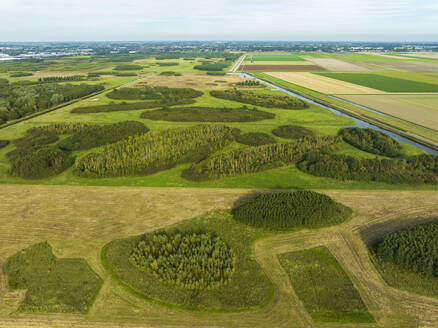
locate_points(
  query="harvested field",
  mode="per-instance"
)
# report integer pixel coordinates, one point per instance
(323, 84)
(332, 64)
(281, 68)
(409, 66)
(191, 80)
(78, 221)
(419, 109)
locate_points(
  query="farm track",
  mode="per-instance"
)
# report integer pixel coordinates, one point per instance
(78, 221)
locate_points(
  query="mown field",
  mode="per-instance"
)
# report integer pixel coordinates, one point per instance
(78, 221)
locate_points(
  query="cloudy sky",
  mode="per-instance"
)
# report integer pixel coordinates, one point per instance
(324, 20)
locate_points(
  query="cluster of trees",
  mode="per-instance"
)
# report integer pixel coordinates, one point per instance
(168, 64)
(207, 114)
(123, 106)
(255, 139)
(20, 74)
(123, 74)
(414, 249)
(57, 128)
(127, 67)
(61, 78)
(292, 132)
(153, 93)
(249, 83)
(421, 169)
(170, 73)
(290, 210)
(258, 99)
(39, 162)
(95, 136)
(191, 260)
(371, 141)
(255, 159)
(22, 100)
(158, 150)
(216, 67)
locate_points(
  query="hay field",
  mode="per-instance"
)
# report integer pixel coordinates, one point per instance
(419, 109)
(78, 221)
(323, 84)
(337, 65)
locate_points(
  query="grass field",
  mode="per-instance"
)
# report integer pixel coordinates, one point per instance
(274, 58)
(79, 221)
(383, 83)
(419, 109)
(324, 287)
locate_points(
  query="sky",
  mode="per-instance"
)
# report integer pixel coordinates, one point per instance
(151, 20)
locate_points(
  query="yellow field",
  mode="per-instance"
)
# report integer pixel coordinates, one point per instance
(419, 109)
(78, 221)
(337, 65)
(323, 84)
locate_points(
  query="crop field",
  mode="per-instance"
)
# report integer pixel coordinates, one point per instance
(432, 55)
(78, 221)
(324, 84)
(410, 66)
(383, 83)
(332, 64)
(257, 67)
(419, 109)
(274, 58)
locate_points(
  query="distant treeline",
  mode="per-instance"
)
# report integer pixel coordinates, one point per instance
(190, 55)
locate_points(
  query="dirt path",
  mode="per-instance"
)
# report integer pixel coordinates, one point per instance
(78, 221)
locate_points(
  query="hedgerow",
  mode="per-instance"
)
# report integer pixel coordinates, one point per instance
(292, 132)
(40, 163)
(207, 114)
(61, 78)
(113, 107)
(421, 169)
(216, 73)
(259, 99)
(191, 260)
(256, 159)
(57, 128)
(20, 74)
(4, 143)
(153, 93)
(290, 210)
(127, 67)
(414, 249)
(371, 141)
(168, 64)
(170, 73)
(255, 139)
(155, 151)
(248, 83)
(211, 67)
(95, 136)
(63, 285)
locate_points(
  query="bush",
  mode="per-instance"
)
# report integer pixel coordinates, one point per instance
(255, 139)
(292, 132)
(256, 159)
(248, 83)
(413, 170)
(39, 139)
(153, 93)
(260, 99)
(57, 128)
(168, 64)
(211, 67)
(123, 106)
(127, 67)
(53, 285)
(4, 143)
(290, 210)
(170, 73)
(40, 163)
(61, 78)
(207, 114)
(189, 260)
(413, 249)
(371, 141)
(155, 151)
(95, 136)
(20, 74)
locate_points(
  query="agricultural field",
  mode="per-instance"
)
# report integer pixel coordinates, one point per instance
(332, 64)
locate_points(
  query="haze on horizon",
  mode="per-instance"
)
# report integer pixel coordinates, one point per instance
(292, 20)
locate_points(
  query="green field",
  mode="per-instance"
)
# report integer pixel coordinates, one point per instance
(276, 58)
(383, 83)
(324, 287)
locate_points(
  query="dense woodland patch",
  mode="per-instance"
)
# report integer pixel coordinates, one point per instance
(36, 139)
(189, 260)
(292, 132)
(290, 210)
(256, 159)
(211, 66)
(153, 93)
(422, 169)
(207, 114)
(155, 151)
(52, 284)
(95, 136)
(371, 141)
(260, 99)
(255, 139)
